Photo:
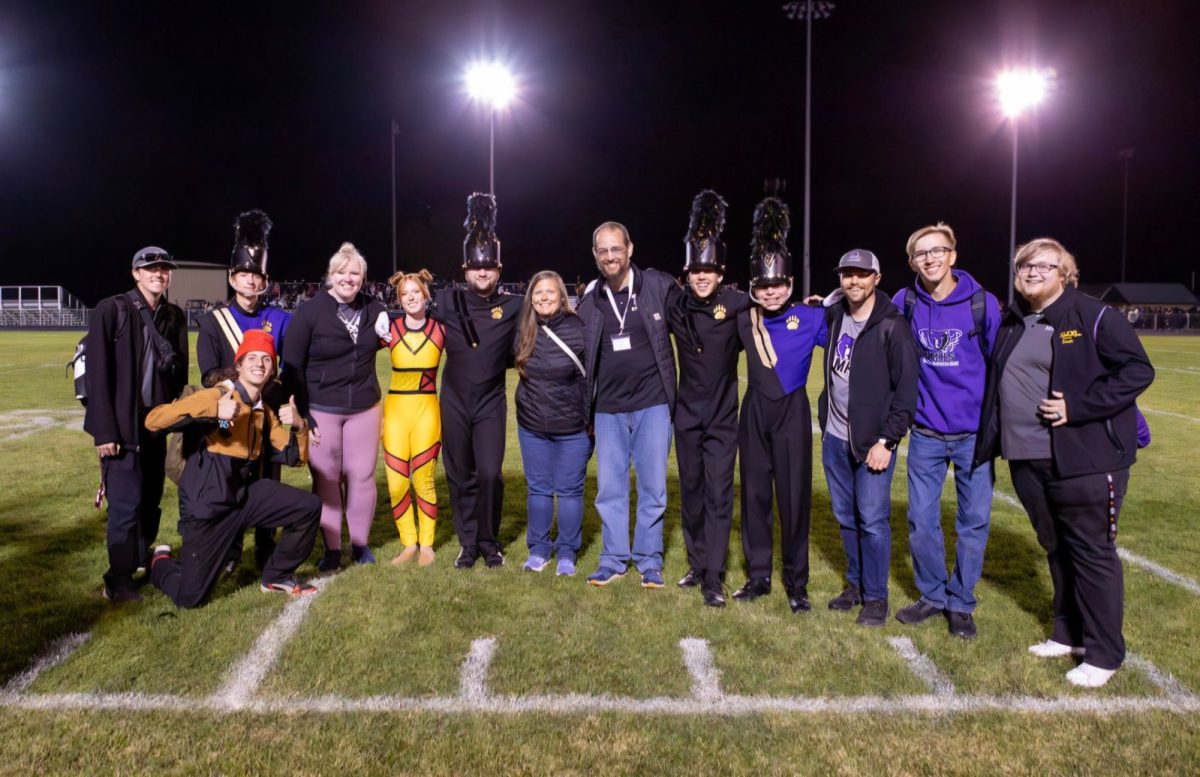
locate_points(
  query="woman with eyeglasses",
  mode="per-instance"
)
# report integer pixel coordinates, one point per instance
(1059, 406)
(552, 419)
(330, 353)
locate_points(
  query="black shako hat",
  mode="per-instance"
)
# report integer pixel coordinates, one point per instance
(769, 257)
(481, 248)
(704, 248)
(250, 232)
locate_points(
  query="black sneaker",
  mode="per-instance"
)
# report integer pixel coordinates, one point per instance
(917, 612)
(798, 600)
(292, 586)
(846, 599)
(961, 624)
(713, 593)
(873, 613)
(753, 588)
(466, 558)
(692, 579)
(121, 594)
(493, 558)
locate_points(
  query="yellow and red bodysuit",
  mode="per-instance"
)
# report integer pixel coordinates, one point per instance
(412, 428)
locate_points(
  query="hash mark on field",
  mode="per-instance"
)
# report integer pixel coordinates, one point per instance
(706, 680)
(58, 651)
(1165, 681)
(247, 675)
(473, 680)
(1158, 570)
(922, 667)
(1169, 414)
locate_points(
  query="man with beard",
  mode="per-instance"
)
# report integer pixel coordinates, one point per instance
(703, 318)
(480, 324)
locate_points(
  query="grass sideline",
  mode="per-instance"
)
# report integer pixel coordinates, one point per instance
(383, 630)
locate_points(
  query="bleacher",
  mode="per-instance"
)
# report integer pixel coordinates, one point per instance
(41, 306)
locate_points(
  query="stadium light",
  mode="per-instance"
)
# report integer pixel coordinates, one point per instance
(1019, 91)
(492, 84)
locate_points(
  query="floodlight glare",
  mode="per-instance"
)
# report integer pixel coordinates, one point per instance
(490, 82)
(1021, 89)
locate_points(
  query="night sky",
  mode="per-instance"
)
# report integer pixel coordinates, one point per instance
(127, 124)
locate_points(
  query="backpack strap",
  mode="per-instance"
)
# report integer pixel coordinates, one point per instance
(910, 302)
(979, 315)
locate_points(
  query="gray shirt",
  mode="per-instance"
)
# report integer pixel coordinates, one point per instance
(1023, 386)
(838, 423)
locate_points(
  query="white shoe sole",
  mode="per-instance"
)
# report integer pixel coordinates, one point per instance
(1052, 649)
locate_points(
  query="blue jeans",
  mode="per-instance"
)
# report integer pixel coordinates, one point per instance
(928, 458)
(554, 465)
(642, 437)
(862, 503)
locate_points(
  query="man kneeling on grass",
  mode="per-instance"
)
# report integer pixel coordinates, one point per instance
(230, 436)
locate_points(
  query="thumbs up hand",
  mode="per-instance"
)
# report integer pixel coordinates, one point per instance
(227, 407)
(289, 415)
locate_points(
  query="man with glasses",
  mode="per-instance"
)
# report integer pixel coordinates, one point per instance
(137, 358)
(953, 321)
(631, 376)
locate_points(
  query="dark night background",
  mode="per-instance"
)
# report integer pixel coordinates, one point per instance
(126, 124)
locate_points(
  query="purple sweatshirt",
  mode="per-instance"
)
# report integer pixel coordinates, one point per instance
(953, 365)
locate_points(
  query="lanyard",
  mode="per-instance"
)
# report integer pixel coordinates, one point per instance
(631, 301)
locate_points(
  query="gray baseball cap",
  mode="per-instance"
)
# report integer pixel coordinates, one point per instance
(859, 259)
(151, 255)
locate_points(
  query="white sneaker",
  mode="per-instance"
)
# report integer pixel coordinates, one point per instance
(1052, 649)
(1089, 676)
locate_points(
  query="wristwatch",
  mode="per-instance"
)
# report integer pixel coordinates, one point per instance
(885, 442)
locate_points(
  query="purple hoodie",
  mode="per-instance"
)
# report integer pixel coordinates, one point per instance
(953, 366)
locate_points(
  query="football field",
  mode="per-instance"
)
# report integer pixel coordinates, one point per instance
(404, 670)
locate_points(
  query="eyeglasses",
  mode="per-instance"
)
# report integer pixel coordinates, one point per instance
(937, 252)
(603, 252)
(1041, 268)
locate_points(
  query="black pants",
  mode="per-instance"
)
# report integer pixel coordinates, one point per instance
(189, 579)
(1071, 519)
(133, 481)
(705, 451)
(775, 449)
(473, 454)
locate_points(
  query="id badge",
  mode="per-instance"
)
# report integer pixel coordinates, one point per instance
(621, 343)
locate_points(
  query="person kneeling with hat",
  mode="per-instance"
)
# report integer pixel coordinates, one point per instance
(230, 436)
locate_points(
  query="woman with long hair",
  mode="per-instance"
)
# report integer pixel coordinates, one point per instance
(552, 420)
(412, 419)
(330, 353)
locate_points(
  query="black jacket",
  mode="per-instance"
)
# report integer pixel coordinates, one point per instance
(707, 344)
(326, 367)
(883, 376)
(552, 393)
(1100, 367)
(479, 336)
(651, 287)
(114, 373)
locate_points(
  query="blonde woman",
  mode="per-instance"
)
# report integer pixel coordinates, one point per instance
(412, 419)
(330, 353)
(552, 419)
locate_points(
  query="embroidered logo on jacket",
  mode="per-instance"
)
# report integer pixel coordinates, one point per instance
(719, 312)
(497, 312)
(793, 322)
(1069, 336)
(939, 347)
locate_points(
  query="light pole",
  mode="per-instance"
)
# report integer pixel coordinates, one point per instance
(395, 132)
(492, 84)
(1018, 90)
(1125, 155)
(807, 10)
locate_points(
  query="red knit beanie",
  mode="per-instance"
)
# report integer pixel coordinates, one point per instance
(255, 340)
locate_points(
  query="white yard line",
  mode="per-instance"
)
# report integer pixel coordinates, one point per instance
(1159, 571)
(58, 651)
(1169, 414)
(1165, 681)
(706, 680)
(473, 678)
(247, 675)
(920, 665)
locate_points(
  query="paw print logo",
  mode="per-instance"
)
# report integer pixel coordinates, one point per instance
(719, 312)
(497, 312)
(793, 322)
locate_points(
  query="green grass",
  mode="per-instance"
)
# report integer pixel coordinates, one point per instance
(386, 630)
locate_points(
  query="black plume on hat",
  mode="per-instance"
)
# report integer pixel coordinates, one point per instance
(705, 248)
(481, 248)
(250, 232)
(769, 257)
